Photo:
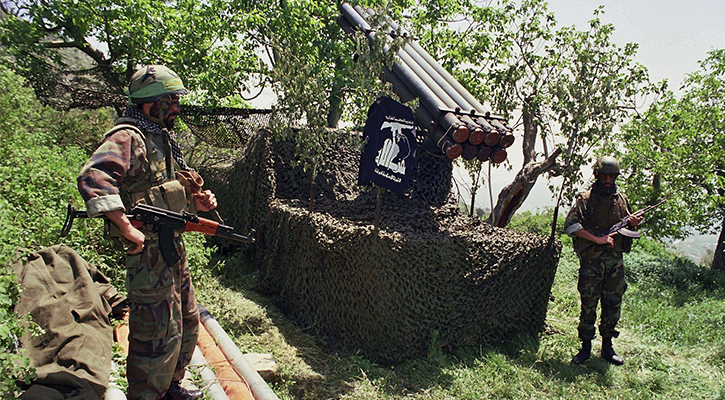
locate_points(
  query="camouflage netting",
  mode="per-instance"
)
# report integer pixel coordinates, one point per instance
(221, 127)
(427, 271)
(428, 276)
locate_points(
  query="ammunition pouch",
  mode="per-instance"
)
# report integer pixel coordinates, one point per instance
(169, 195)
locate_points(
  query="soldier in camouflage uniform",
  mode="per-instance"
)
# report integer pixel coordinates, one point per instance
(137, 163)
(601, 273)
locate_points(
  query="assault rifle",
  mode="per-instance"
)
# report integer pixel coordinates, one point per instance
(621, 226)
(164, 223)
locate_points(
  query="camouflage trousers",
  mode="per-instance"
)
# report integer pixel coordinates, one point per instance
(601, 279)
(163, 321)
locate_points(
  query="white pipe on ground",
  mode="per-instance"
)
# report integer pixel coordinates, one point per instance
(212, 386)
(114, 393)
(260, 389)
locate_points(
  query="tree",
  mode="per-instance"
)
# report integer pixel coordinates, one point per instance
(317, 70)
(93, 47)
(676, 149)
(567, 87)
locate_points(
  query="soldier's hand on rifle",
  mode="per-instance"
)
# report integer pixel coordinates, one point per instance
(634, 220)
(608, 239)
(134, 236)
(205, 201)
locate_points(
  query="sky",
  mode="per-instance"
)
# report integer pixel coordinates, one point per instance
(672, 36)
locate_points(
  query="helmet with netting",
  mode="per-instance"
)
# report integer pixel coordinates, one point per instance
(607, 165)
(153, 82)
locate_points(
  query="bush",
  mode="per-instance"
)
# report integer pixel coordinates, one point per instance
(669, 289)
(538, 223)
(38, 166)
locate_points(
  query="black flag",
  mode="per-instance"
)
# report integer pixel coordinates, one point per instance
(388, 159)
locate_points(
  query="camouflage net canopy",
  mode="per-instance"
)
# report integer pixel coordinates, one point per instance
(428, 276)
(227, 128)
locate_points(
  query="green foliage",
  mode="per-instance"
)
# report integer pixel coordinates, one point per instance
(676, 149)
(40, 155)
(671, 289)
(316, 76)
(568, 87)
(538, 223)
(209, 43)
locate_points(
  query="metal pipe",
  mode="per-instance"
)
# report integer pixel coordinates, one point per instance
(499, 155)
(114, 393)
(455, 89)
(430, 101)
(492, 139)
(211, 385)
(442, 90)
(506, 141)
(234, 385)
(454, 85)
(440, 95)
(427, 98)
(400, 88)
(437, 135)
(484, 153)
(452, 149)
(469, 151)
(345, 24)
(259, 387)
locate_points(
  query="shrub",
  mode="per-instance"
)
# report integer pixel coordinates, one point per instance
(38, 166)
(538, 223)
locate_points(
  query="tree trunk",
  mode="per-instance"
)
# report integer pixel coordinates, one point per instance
(335, 111)
(474, 189)
(512, 196)
(718, 261)
(336, 98)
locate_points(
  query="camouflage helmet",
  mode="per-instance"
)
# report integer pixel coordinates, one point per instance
(607, 165)
(153, 82)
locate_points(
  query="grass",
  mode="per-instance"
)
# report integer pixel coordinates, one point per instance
(672, 341)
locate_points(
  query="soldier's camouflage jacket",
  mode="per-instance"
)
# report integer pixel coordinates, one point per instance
(596, 212)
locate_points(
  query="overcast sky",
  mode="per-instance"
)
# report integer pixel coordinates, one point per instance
(672, 34)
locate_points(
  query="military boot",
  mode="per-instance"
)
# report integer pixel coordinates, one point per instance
(608, 352)
(584, 353)
(177, 392)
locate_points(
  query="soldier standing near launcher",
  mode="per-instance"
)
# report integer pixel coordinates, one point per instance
(136, 164)
(601, 273)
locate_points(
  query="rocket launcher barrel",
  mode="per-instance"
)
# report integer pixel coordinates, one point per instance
(447, 119)
(455, 121)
